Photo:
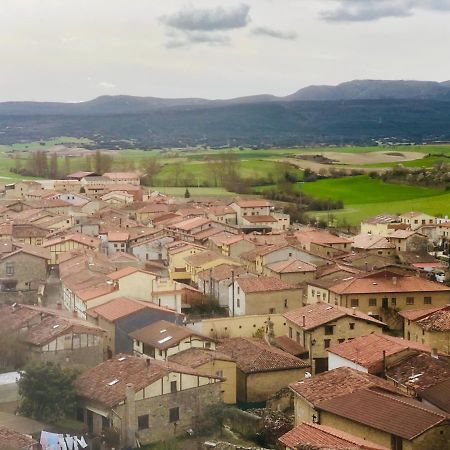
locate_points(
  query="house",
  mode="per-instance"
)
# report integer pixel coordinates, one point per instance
(380, 225)
(70, 242)
(216, 281)
(372, 353)
(262, 369)
(385, 292)
(27, 233)
(147, 212)
(123, 315)
(321, 242)
(318, 326)
(251, 207)
(152, 248)
(373, 244)
(205, 260)
(320, 437)
(124, 177)
(145, 399)
(211, 362)
(416, 219)
(80, 175)
(408, 241)
(117, 198)
(259, 222)
(234, 245)
(177, 252)
(12, 440)
(292, 271)
(117, 241)
(163, 339)
(222, 213)
(24, 268)
(430, 326)
(262, 295)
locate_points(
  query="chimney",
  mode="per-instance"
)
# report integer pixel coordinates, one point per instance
(303, 321)
(130, 416)
(59, 306)
(394, 281)
(384, 363)
(354, 310)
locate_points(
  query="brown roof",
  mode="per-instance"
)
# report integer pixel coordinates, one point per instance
(391, 282)
(259, 219)
(382, 218)
(190, 224)
(199, 259)
(253, 203)
(317, 314)
(255, 355)
(51, 327)
(288, 345)
(194, 357)
(84, 239)
(292, 265)
(370, 241)
(12, 440)
(337, 382)
(319, 237)
(367, 351)
(417, 314)
(438, 395)
(125, 272)
(118, 236)
(318, 437)
(106, 383)
(437, 321)
(164, 335)
(220, 272)
(250, 284)
(14, 318)
(122, 307)
(387, 412)
(419, 371)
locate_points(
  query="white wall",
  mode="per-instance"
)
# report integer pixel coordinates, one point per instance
(335, 361)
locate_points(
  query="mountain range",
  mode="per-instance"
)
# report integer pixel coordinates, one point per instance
(357, 111)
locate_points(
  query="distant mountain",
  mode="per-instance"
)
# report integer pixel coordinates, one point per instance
(354, 112)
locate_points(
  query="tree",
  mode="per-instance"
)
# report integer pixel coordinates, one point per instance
(66, 165)
(151, 167)
(12, 352)
(53, 172)
(187, 194)
(47, 392)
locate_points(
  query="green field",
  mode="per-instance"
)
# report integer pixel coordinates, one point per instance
(426, 162)
(194, 191)
(363, 189)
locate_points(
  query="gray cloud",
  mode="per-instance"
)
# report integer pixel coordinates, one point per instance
(277, 34)
(219, 18)
(187, 38)
(370, 10)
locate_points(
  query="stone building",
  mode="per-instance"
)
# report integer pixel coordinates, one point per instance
(146, 400)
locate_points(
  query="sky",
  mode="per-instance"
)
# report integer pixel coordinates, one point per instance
(76, 50)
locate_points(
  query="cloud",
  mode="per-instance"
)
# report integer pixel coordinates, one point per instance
(188, 38)
(277, 34)
(106, 85)
(371, 10)
(213, 19)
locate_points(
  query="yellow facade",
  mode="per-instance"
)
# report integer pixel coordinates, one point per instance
(440, 340)
(177, 263)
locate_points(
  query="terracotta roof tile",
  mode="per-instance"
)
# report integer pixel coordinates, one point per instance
(320, 313)
(385, 412)
(367, 351)
(439, 395)
(337, 382)
(292, 265)
(194, 357)
(259, 219)
(250, 284)
(12, 440)
(288, 345)
(99, 383)
(253, 203)
(255, 355)
(318, 437)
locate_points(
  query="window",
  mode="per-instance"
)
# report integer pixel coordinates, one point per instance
(354, 302)
(393, 301)
(207, 344)
(9, 268)
(298, 337)
(143, 422)
(173, 387)
(410, 300)
(352, 326)
(290, 332)
(285, 303)
(238, 302)
(328, 330)
(174, 414)
(219, 373)
(372, 302)
(427, 300)
(271, 310)
(326, 343)
(341, 341)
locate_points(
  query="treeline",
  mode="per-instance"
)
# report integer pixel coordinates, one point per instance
(49, 165)
(436, 176)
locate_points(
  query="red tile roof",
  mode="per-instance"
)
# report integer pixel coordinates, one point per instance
(438, 321)
(288, 345)
(320, 313)
(389, 413)
(319, 437)
(367, 351)
(253, 203)
(259, 219)
(195, 357)
(250, 284)
(12, 440)
(255, 355)
(292, 265)
(106, 383)
(337, 382)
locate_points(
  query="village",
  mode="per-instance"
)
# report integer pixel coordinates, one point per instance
(176, 309)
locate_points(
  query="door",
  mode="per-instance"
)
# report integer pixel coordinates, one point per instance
(321, 365)
(384, 303)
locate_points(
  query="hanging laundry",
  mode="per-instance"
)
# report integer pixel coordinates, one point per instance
(82, 442)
